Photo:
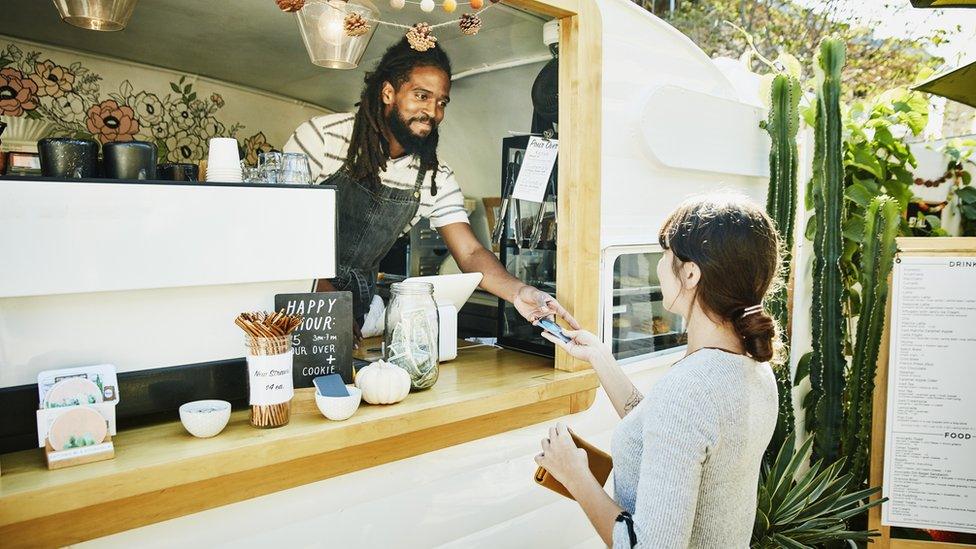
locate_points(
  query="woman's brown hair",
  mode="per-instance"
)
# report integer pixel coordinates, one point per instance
(736, 246)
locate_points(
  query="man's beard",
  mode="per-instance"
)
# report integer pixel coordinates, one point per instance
(425, 146)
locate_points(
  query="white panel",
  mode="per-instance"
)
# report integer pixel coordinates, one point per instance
(134, 330)
(72, 237)
(687, 129)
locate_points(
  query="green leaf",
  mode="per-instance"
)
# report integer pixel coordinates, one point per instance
(175, 88)
(854, 229)
(802, 368)
(967, 178)
(186, 89)
(811, 229)
(4, 62)
(865, 160)
(859, 195)
(933, 221)
(967, 194)
(969, 211)
(192, 96)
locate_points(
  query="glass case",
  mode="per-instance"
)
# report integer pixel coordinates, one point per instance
(527, 247)
(636, 324)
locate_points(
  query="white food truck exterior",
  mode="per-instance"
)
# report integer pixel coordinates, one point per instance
(675, 123)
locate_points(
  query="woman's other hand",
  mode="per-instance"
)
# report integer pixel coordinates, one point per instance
(561, 457)
(583, 345)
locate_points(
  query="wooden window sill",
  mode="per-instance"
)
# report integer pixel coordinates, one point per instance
(161, 472)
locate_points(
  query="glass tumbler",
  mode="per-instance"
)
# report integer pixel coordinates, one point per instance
(294, 170)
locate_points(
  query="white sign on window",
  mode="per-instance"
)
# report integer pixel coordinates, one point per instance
(533, 176)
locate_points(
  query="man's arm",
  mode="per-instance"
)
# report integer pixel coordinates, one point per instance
(472, 257)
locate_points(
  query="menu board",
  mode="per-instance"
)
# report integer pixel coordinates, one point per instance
(323, 342)
(930, 439)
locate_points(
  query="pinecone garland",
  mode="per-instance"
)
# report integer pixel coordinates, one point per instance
(470, 24)
(421, 37)
(290, 5)
(355, 25)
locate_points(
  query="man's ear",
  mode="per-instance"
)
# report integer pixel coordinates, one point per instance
(388, 93)
(690, 275)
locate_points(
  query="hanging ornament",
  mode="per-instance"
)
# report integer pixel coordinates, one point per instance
(449, 5)
(355, 25)
(397, 4)
(477, 4)
(420, 37)
(290, 5)
(470, 24)
(427, 5)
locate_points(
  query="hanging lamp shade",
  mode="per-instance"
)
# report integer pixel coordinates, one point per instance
(99, 15)
(322, 23)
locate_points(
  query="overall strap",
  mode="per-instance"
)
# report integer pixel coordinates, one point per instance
(420, 183)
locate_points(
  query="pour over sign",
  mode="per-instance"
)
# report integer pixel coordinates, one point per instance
(322, 343)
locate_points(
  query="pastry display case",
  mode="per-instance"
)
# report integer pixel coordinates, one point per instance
(636, 322)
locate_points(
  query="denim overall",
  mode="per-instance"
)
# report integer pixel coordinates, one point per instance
(370, 221)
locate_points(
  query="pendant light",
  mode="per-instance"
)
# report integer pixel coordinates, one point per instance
(322, 24)
(99, 15)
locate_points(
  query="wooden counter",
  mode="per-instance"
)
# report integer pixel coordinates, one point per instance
(161, 472)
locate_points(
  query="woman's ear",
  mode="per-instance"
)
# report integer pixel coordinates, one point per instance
(388, 93)
(690, 275)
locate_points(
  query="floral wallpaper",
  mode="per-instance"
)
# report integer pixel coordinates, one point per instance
(78, 102)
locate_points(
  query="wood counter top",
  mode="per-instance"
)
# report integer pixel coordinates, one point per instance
(161, 472)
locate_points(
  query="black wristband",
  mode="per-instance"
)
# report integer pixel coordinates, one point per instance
(627, 519)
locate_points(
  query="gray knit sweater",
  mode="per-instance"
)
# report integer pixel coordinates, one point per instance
(686, 459)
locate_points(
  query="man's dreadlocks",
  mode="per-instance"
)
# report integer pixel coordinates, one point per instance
(368, 147)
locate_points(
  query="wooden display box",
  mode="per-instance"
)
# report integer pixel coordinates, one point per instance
(59, 459)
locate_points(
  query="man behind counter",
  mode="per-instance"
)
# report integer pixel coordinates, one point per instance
(383, 161)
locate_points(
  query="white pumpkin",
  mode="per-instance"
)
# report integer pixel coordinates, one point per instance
(383, 383)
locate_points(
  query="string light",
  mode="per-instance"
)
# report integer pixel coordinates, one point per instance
(408, 27)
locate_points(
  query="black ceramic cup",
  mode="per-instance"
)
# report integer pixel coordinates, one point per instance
(178, 172)
(129, 160)
(68, 158)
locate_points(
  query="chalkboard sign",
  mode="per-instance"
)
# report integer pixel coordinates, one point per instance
(323, 342)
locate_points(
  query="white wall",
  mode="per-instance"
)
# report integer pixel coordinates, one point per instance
(484, 109)
(178, 123)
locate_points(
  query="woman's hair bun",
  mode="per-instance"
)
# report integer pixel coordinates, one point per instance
(758, 332)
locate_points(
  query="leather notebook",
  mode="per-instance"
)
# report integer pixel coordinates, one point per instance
(600, 464)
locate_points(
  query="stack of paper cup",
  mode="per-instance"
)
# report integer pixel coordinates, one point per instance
(224, 161)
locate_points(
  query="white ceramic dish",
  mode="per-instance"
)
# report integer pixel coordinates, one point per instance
(205, 418)
(339, 408)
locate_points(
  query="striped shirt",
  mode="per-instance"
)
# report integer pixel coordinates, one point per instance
(325, 140)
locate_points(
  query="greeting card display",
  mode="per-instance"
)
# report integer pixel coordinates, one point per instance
(76, 414)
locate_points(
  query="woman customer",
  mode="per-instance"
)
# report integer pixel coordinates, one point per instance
(687, 457)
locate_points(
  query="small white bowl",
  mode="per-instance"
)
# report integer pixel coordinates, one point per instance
(339, 408)
(205, 418)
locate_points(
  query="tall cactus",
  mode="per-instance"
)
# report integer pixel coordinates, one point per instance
(782, 125)
(827, 363)
(881, 224)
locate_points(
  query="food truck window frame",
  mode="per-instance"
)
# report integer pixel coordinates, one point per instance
(580, 151)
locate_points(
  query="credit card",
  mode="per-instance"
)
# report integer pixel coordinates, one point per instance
(554, 329)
